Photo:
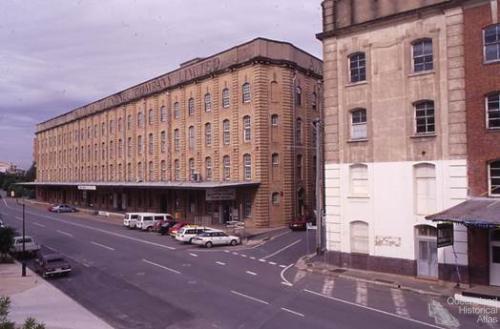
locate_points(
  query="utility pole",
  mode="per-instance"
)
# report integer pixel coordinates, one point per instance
(319, 197)
(24, 247)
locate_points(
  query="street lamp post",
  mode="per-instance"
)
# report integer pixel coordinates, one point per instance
(319, 180)
(24, 248)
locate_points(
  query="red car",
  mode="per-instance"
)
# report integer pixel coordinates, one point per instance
(174, 229)
(298, 224)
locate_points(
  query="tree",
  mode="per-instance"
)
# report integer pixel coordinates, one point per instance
(29, 323)
(6, 241)
(30, 174)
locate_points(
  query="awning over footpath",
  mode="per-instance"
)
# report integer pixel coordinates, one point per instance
(168, 184)
(475, 212)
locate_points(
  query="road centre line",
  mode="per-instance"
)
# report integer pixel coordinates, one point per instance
(372, 309)
(220, 263)
(272, 263)
(244, 256)
(282, 249)
(194, 255)
(101, 231)
(292, 312)
(251, 273)
(252, 257)
(65, 233)
(282, 266)
(161, 266)
(102, 245)
(38, 224)
(262, 260)
(250, 297)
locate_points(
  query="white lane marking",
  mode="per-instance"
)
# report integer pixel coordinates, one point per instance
(227, 251)
(38, 224)
(249, 297)
(282, 266)
(372, 309)
(102, 245)
(102, 231)
(286, 284)
(441, 315)
(399, 302)
(194, 255)
(282, 249)
(272, 263)
(235, 253)
(361, 293)
(19, 218)
(65, 233)
(251, 273)
(5, 202)
(252, 257)
(282, 275)
(244, 256)
(161, 266)
(262, 260)
(293, 312)
(328, 286)
(220, 263)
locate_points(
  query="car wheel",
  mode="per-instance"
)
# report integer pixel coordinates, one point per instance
(233, 243)
(209, 244)
(190, 241)
(149, 229)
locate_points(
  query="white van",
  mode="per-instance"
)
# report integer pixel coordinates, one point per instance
(146, 221)
(130, 218)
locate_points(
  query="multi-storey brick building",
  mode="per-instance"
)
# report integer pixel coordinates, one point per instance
(225, 137)
(395, 133)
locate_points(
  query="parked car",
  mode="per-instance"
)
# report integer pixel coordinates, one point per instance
(160, 222)
(51, 265)
(130, 218)
(188, 232)
(165, 227)
(146, 222)
(216, 238)
(2, 225)
(62, 208)
(298, 224)
(172, 231)
(30, 247)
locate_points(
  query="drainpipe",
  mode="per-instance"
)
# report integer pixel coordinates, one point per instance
(294, 145)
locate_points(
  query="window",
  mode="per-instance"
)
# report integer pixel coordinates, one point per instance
(129, 147)
(111, 149)
(120, 172)
(191, 137)
(359, 179)
(208, 134)
(494, 178)
(103, 129)
(191, 168)
(246, 128)
(140, 119)
(163, 142)
(226, 133)
(299, 166)
(163, 170)
(247, 206)
(425, 188)
(298, 96)
(120, 124)
(422, 55)
(492, 43)
(208, 102)
(274, 120)
(275, 198)
(424, 117)
(163, 114)
(139, 171)
(314, 100)
(139, 145)
(226, 162)
(245, 91)
(208, 168)
(111, 127)
(129, 171)
(359, 237)
(150, 144)
(176, 140)
(275, 159)
(177, 170)
(177, 111)
(191, 106)
(103, 151)
(225, 98)
(493, 111)
(357, 67)
(358, 124)
(298, 131)
(129, 122)
(120, 148)
(150, 171)
(247, 167)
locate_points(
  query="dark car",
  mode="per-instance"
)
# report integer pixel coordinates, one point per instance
(158, 223)
(62, 208)
(298, 224)
(165, 227)
(52, 265)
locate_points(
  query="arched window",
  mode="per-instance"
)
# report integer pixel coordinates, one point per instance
(191, 137)
(275, 198)
(298, 167)
(139, 145)
(151, 171)
(274, 120)
(129, 147)
(225, 98)
(151, 117)
(359, 237)
(422, 55)
(226, 163)
(208, 134)
(150, 144)
(493, 110)
(191, 106)
(140, 173)
(208, 102)
(129, 124)
(120, 124)
(425, 188)
(163, 114)
(245, 91)
(275, 159)
(357, 67)
(163, 142)
(163, 170)
(359, 179)
(226, 132)
(176, 140)
(177, 110)
(494, 178)
(247, 167)
(247, 129)
(298, 131)
(129, 172)
(208, 168)
(424, 117)
(140, 120)
(491, 41)
(191, 168)
(177, 169)
(298, 96)
(359, 129)
(314, 100)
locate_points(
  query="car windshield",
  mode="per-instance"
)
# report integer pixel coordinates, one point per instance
(55, 260)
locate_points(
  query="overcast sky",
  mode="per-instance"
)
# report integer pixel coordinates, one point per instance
(56, 55)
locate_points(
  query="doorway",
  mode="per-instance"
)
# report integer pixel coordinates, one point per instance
(495, 257)
(426, 251)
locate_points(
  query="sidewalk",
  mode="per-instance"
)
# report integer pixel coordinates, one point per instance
(32, 296)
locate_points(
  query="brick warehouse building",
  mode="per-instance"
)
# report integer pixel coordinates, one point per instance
(225, 137)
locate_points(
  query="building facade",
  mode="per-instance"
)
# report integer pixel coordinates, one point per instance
(395, 134)
(227, 137)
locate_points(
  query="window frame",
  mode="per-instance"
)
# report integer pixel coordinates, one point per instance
(353, 124)
(361, 69)
(422, 42)
(496, 26)
(177, 110)
(226, 165)
(247, 166)
(246, 96)
(208, 134)
(426, 116)
(226, 98)
(487, 110)
(490, 179)
(207, 102)
(247, 129)
(191, 106)
(208, 168)
(226, 132)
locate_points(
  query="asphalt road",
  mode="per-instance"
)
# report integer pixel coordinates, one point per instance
(135, 279)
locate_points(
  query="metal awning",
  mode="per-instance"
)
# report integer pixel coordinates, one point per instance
(475, 212)
(179, 185)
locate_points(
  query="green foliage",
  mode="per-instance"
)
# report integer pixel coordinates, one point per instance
(30, 323)
(6, 241)
(8, 181)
